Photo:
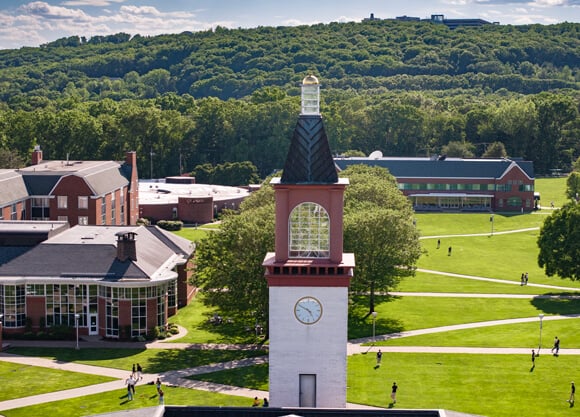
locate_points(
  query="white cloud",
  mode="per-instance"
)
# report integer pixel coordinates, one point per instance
(46, 11)
(93, 3)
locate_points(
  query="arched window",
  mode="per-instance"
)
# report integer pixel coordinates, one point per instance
(309, 232)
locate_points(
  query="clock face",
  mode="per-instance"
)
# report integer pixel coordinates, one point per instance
(308, 310)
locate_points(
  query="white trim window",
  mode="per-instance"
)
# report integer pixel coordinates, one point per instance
(62, 201)
(83, 202)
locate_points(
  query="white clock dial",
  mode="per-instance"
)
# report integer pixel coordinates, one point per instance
(308, 310)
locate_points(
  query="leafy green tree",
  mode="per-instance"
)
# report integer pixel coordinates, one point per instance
(559, 242)
(228, 263)
(10, 159)
(458, 149)
(576, 165)
(495, 150)
(573, 186)
(379, 229)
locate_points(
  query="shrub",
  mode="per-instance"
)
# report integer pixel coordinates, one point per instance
(170, 225)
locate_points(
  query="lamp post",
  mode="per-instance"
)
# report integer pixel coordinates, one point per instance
(541, 316)
(491, 220)
(77, 316)
(374, 314)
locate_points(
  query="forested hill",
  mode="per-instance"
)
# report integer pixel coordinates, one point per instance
(234, 63)
(406, 89)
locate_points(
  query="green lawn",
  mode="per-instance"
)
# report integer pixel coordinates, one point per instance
(520, 335)
(397, 314)
(195, 318)
(195, 234)
(490, 385)
(551, 189)
(254, 377)
(146, 396)
(441, 224)
(426, 282)
(487, 385)
(499, 256)
(152, 360)
(23, 380)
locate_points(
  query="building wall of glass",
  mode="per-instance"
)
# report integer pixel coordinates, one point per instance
(64, 301)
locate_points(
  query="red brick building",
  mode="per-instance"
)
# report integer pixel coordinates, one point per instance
(456, 184)
(80, 192)
(115, 281)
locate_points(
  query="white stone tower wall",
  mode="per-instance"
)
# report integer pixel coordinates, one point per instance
(319, 348)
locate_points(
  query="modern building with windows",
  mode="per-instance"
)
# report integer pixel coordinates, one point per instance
(456, 184)
(117, 282)
(79, 192)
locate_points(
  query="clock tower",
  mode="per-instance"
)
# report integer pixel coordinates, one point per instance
(308, 274)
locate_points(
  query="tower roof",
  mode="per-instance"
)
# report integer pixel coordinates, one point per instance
(309, 159)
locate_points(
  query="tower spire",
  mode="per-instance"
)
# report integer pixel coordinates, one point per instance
(309, 159)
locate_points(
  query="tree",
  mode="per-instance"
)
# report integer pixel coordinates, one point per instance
(573, 186)
(576, 165)
(10, 159)
(559, 243)
(495, 150)
(458, 149)
(379, 229)
(228, 263)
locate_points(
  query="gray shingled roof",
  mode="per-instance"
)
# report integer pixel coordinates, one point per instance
(309, 159)
(12, 187)
(91, 252)
(101, 176)
(448, 168)
(105, 178)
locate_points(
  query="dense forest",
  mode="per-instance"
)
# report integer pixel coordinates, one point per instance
(405, 88)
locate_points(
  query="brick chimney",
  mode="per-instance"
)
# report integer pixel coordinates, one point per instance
(36, 155)
(126, 248)
(133, 191)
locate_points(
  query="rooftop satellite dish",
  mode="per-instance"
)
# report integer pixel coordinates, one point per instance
(376, 155)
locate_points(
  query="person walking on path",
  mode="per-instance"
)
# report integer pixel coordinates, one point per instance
(379, 357)
(161, 396)
(130, 387)
(134, 370)
(139, 372)
(533, 358)
(572, 393)
(394, 392)
(556, 347)
(523, 278)
(449, 251)
(526, 279)
(438, 243)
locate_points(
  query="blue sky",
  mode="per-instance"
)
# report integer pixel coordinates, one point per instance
(31, 23)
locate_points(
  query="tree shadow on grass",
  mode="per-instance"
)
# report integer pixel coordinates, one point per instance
(253, 377)
(562, 306)
(360, 323)
(71, 355)
(176, 359)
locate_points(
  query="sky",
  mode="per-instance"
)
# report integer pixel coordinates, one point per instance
(33, 23)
